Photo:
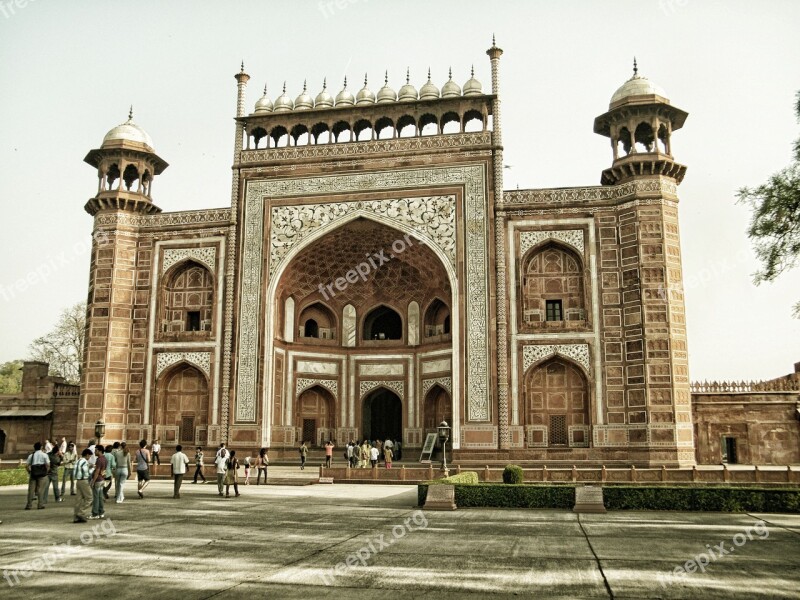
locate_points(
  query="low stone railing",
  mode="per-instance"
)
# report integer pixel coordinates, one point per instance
(723, 387)
(717, 474)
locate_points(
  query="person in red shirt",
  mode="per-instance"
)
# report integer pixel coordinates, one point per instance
(328, 453)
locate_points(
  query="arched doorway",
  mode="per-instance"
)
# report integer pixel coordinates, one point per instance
(437, 408)
(382, 415)
(557, 404)
(315, 415)
(183, 403)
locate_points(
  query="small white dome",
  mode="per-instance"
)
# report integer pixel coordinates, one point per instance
(324, 99)
(264, 104)
(428, 91)
(129, 132)
(283, 103)
(408, 92)
(472, 87)
(365, 96)
(386, 94)
(450, 89)
(345, 98)
(304, 101)
(637, 86)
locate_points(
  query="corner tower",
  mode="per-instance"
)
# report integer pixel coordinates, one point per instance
(115, 343)
(648, 380)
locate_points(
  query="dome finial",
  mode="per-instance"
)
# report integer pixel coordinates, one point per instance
(386, 78)
(408, 75)
(304, 85)
(265, 89)
(635, 67)
(365, 80)
(130, 113)
(429, 73)
(494, 43)
(472, 71)
(242, 71)
(450, 73)
(284, 87)
(345, 82)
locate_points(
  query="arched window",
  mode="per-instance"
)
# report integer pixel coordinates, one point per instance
(317, 321)
(644, 138)
(188, 300)
(383, 323)
(437, 319)
(552, 289)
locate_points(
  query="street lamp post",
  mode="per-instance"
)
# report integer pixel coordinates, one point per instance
(444, 435)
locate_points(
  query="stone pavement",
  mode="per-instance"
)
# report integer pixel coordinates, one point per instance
(286, 542)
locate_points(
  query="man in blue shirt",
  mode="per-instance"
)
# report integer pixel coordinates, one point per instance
(38, 464)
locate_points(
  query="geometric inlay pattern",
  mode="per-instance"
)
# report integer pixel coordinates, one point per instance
(577, 352)
(305, 383)
(476, 230)
(396, 386)
(201, 360)
(445, 382)
(573, 237)
(206, 255)
(435, 216)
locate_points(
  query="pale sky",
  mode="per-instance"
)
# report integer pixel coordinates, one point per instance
(70, 70)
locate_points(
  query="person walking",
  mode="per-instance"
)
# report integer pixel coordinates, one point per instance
(142, 467)
(156, 448)
(221, 463)
(123, 458)
(84, 491)
(374, 453)
(364, 454)
(328, 454)
(232, 476)
(303, 455)
(56, 458)
(198, 465)
(247, 470)
(111, 469)
(37, 465)
(262, 462)
(97, 482)
(70, 458)
(387, 457)
(179, 462)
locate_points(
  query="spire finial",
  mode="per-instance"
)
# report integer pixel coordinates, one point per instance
(242, 71)
(345, 82)
(265, 89)
(365, 80)
(493, 41)
(408, 75)
(635, 67)
(304, 85)
(429, 73)
(130, 113)
(284, 87)
(472, 71)
(325, 83)
(386, 78)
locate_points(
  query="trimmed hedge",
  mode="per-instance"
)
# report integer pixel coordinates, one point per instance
(689, 499)
(13, 476)
(466, 478)
(718, 499)
(513, 474)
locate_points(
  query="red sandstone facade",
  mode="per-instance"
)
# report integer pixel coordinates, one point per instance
(372, 278)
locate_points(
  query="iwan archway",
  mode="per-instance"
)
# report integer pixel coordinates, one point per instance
(348, 311)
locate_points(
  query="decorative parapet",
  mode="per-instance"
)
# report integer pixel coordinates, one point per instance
(734, 387)
(589, 195)
(214, 216)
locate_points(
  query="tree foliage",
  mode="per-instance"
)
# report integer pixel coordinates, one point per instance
(775, 223)
(62, 348)
(11, 377)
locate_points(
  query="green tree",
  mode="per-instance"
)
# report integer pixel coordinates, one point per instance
(62, 348)
(11, 377)
(775, 223)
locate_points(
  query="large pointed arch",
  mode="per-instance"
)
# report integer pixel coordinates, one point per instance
(441, 253)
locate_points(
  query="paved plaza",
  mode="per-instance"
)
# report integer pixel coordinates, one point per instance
(285, 541)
